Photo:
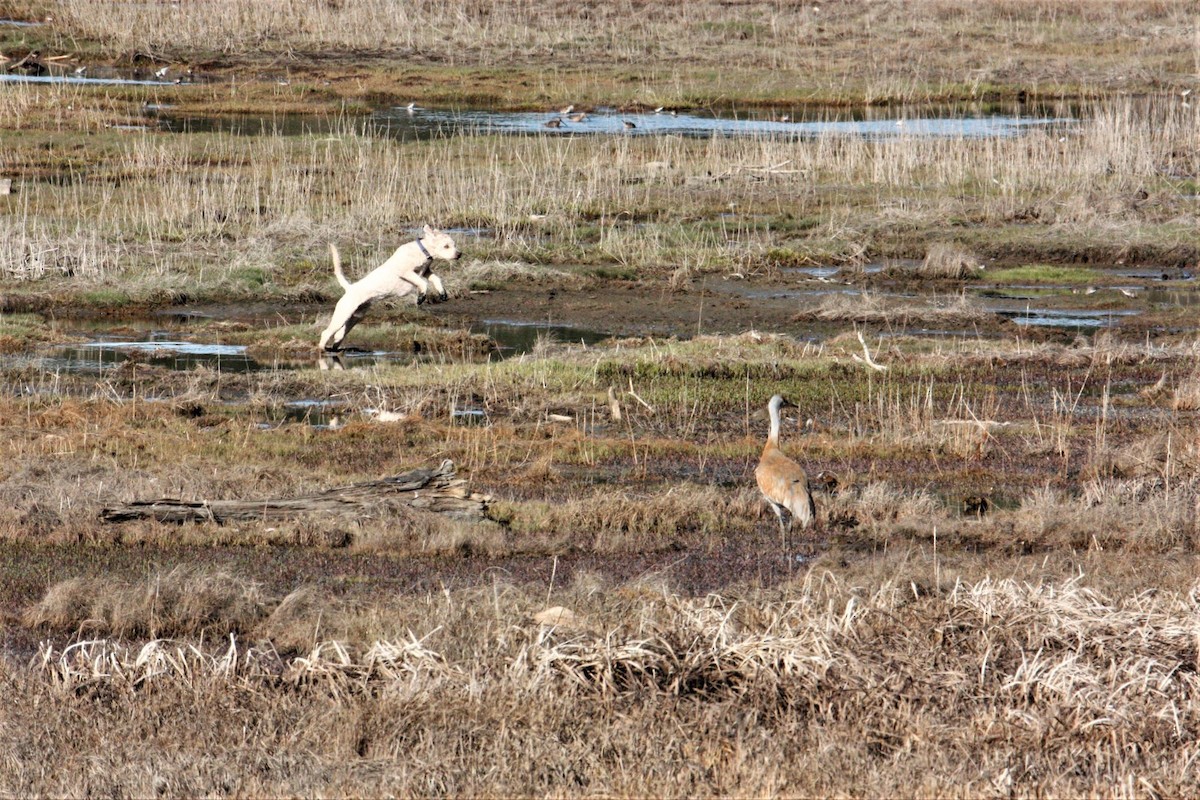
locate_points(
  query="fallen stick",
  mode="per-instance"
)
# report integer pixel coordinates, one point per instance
(635, 396)
(433, 490)
(866, 357)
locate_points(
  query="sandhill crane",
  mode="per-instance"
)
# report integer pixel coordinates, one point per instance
(783, 482)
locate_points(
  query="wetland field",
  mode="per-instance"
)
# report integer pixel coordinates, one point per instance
(964, 238)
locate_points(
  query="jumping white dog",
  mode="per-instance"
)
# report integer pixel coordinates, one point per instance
(410, 267)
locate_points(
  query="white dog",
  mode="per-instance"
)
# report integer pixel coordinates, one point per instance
(407, 269)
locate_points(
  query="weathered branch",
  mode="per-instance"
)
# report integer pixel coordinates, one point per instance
(866, 358)
(433, 490)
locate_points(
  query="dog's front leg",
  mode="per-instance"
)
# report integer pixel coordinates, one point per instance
(419, 282)
(436, 283)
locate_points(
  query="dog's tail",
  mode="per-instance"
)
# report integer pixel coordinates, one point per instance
(337, 267)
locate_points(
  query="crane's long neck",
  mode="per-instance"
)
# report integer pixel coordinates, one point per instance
(773, 436)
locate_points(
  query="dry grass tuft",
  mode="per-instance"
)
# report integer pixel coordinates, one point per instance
(187, 601)
(609, 522)
(949, 260)
(1187, 394)
(865, 308)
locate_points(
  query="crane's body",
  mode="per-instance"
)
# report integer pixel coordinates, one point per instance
(783, 482)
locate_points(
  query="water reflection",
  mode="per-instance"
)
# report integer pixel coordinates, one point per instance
(1173, 297)
(398, 123)
(1066, 318)
(516, 338)
(114, 79)
(100, 355)
(897, 123)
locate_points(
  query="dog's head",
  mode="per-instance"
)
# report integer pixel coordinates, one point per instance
(439, 244)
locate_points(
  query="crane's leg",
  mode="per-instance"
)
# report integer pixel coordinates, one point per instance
(783, 525)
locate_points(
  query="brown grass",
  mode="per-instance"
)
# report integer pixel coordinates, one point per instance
(920, 651)
(1083, 688)
(201, 198)
(183, 602)
(1042, 643)
(867, 308)
(948, 260)
(918, 50)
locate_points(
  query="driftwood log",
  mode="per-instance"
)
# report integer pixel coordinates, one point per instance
(433, 490)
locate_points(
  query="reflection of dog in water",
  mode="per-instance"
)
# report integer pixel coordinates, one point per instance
(330, 361)
(410, 267)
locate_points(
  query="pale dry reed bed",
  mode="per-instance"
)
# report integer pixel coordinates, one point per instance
(917, 50)
(916, 684)
(249, 212)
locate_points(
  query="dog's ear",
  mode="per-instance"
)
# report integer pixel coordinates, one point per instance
(428, 230)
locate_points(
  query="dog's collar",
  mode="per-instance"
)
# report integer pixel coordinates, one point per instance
(424, 252)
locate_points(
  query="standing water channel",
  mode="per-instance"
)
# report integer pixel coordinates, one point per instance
(971, 122)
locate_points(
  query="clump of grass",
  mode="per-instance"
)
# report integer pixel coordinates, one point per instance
(185, 601)
(949, 260)
(608, 522)
(878, 510)
(20, 332)
(1186, 396)
(874, 309)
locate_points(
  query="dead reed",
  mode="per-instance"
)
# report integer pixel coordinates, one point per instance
(947, 260)
(182, 199)
(1083, 689)
(916, 48)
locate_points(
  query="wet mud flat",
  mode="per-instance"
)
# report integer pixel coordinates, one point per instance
(497, 325)
(608, 325)
(733, 304)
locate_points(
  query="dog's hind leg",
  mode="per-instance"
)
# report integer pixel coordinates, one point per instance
(327, 335)
(355, 318)
(346, 314)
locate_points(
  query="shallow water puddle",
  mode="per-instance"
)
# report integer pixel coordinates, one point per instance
(1066, 318)
(970, 122)
(115, 344)
(517, 338)
(956, 123)
(179, 355)
(113, 79)
(822, 272)
(100, 355)
(469, 416)
(1173, 297)
(320, 414)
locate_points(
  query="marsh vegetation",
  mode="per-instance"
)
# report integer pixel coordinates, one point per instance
(998, 596)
